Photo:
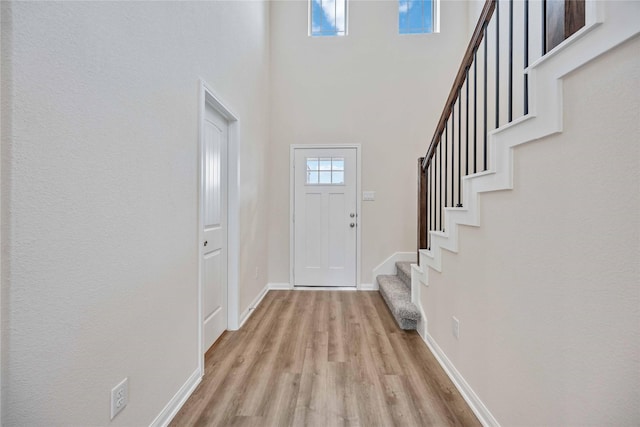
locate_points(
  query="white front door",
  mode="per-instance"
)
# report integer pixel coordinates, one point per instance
(214, 212)
(325, 217)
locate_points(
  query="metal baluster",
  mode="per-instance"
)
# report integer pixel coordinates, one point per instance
(453, 151)
(544, 27)
(427, 189)
(466, 152)
(526, 56)
(497, 64)
(475, 111)
(510, 107)
(433, 194)
(446, 158)
(459, 147)
(486, 131)
(440, 193)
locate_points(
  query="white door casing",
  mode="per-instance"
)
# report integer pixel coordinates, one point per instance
(325, 216)
(214, 213)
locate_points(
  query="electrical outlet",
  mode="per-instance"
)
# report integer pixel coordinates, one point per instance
(119, 397)
(456, 327)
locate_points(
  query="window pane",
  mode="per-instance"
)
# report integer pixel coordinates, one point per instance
(426, 16)
(328, 17)
(312, 177)
(325, 177)
(325, 170)
(415, 16)
(403, 9)
(312, 163)
(325, 163)
(316, 17)
(338, 163)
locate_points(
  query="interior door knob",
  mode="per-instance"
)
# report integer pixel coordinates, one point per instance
(352, 225)
(205, 242)
(352, 215)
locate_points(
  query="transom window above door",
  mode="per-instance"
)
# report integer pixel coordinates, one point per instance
(325, 170)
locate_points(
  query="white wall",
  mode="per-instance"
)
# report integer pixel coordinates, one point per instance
(373, 87)
(546, 289)
(100, 119)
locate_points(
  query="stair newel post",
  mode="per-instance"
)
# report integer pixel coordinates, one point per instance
(422, 207)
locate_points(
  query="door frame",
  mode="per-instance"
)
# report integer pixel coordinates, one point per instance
(292, 149)
(208, 96)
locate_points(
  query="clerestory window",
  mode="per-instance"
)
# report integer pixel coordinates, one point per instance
(416, 16)
(327, 17)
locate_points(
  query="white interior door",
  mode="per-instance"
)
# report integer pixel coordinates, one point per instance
(214, 212)
(325, 217)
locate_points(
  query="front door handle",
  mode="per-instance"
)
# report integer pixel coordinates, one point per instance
(205, 242)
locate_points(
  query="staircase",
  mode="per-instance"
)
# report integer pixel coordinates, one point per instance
(396, 291)
(471, 153)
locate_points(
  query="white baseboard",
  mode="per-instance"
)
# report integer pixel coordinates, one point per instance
(477, 406)
(254, 304)
(280, 286)
(164, 418)
(288, 287)
(325, 288)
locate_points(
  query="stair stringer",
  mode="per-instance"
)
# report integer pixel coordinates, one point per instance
(545, 117)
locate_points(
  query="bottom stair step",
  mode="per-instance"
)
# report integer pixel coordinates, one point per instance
(397, 295)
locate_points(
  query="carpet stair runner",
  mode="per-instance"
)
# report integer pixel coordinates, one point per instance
(396, 291)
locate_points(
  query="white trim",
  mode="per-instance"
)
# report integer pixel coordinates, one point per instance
(325, 288)
(388, 266)
(477, 406)
(358, 149)
(419, 279)
(365, 287)
(254, 304)
(280, 286)
(288, 287)
(435, 17)
(208, 96)
(171, 409)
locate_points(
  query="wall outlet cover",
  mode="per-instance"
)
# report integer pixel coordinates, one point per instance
(119, 397)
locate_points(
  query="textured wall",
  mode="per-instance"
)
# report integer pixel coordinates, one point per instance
(373, 87)
(547, 288)
(100, 139)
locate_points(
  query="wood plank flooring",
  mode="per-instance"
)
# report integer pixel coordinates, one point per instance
(325, 358)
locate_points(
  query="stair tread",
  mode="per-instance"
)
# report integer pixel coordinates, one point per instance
(398, 298)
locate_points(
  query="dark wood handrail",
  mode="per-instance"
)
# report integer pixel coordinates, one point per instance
(467, 61)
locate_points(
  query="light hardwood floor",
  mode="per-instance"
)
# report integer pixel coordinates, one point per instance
(325, 358)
